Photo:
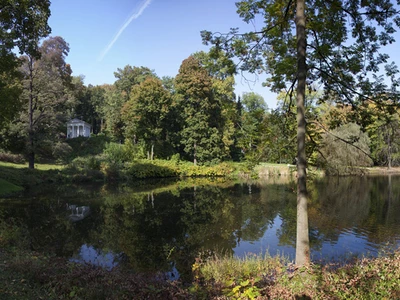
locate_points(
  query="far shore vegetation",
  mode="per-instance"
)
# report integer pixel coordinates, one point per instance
(28, 274)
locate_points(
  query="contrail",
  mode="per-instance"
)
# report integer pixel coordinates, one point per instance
(134, 16)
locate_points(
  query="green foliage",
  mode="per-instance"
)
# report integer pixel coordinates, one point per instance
(130, 76)
(89, 100)
(83, 146)
(201, 134)
(47, 97)
(62, 151)
(8, 188)
(13, 158)
(273, 278)
(135, 151)
(12, 233)
(116, 153)
(141, 170)
(252, 126)
(345, 148)
(340, 66)
(240, 278)
(176, 168)
(146, 114)
(86, 163)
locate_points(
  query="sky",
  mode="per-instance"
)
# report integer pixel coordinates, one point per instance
(105, 35)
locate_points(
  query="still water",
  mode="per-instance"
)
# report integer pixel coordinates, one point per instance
(163, 226)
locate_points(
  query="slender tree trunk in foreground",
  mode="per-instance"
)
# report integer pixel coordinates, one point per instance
(302, 238)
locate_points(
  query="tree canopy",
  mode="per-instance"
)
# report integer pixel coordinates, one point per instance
(333, 43)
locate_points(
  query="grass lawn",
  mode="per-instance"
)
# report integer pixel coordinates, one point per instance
(43, 167)
(8, 187)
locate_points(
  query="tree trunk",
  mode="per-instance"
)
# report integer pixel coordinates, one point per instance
(31, 151)
(302, 238)
(152, 151)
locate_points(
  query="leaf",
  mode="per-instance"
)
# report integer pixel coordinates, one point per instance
(245, 283)
(236, 289)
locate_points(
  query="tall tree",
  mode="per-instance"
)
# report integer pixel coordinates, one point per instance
(251, 129)
(338, 46)
(201, 113)
(111, 111)
(22, 24)
(145, 114)
(47, 92)
(221, 69)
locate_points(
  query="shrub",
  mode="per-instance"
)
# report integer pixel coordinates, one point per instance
(115, 153)
(112, 171)
(149, 170)
(62, 152)
(83, 146)
(86, 163)
(13, 158)
(135, 151)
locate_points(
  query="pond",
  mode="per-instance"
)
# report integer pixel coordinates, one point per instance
(164, 225)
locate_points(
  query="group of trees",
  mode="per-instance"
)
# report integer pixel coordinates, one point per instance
(335, 44)
(196, 114)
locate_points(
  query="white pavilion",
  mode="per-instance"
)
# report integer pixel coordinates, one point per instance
(76, 127)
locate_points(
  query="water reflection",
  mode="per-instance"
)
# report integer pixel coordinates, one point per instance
(97, 257)
(164, 228)
(77, 213)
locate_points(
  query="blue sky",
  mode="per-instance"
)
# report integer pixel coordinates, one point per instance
(165, 34)
(158, 34)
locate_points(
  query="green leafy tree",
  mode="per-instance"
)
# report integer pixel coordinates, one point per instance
(384, 131)
(337, 45)
(47, 93)
(22, 24)
(145, 114)
(251, 129)
(168, 83)
(89, 100)
(117, 95)
(97, 100)
(221, 69)
(201, 113)
(344, 148)
(10, 91)
(130, 76)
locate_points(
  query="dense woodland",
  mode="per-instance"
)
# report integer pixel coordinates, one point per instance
(195, 115)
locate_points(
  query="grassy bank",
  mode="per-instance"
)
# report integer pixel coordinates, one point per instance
(30, 275)
(273, 278)
(90, 169)
(8, 187)
(15, 177)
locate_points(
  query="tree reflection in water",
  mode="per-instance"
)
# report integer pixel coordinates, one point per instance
(164, 228)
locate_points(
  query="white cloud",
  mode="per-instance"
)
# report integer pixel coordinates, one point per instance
(134, 16)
